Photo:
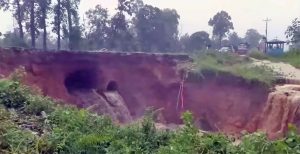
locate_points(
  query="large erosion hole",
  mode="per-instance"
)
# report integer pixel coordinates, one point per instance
(81, 80)
(112, 86)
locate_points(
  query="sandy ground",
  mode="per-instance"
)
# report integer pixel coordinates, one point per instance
(287, 70)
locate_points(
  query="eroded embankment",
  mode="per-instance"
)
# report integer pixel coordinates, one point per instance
(225, 102)
(124, 85)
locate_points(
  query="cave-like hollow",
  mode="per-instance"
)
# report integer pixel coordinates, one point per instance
(81, 80)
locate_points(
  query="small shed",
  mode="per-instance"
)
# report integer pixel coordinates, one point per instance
(275, 47)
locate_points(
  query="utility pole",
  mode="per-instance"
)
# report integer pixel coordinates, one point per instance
(267, 21)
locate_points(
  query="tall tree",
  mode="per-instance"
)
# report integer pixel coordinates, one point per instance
(136, 6)
(170, 20)
(73, 30)
(119, 34)
(97, 27)
(199, 41)
(18, 10)
(221, 24)
(42, 12)
(253, 37)
(184, 42)
(57, 23)
(157, 29)
(31, 25)
(149, 27)
(234, 39)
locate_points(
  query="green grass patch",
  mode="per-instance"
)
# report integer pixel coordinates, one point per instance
(292, 57)
(233, 64)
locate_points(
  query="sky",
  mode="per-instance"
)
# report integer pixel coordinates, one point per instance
(195, 14)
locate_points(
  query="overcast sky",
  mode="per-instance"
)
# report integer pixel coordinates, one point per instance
(194, 14)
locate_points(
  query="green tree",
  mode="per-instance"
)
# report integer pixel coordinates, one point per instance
(170, 20)
(11, 39)
(149, 29)
(119, 35)
(199, 40)
(184, 42)
(234, 39)
(18, 9)
(157, 29)
(97, 28)
(137, 5)
(72, 31)
(293, 31)
(4, 5)
(221, 24)
(59, 16)
(42, 12)
(253, 37)
(31, 25)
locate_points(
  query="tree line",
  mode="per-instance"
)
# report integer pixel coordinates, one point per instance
(134, 27)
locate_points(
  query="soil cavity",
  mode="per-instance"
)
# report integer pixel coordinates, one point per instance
(81, 80)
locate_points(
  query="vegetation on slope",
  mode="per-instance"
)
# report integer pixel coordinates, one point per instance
(34, 124)
(292, 57)
(233, 64)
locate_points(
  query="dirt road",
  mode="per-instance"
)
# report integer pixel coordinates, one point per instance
(286, 70)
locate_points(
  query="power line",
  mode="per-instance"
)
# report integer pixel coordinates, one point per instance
(267, 23)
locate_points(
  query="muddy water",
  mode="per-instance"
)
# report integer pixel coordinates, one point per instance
(105, 103)
(282, 109)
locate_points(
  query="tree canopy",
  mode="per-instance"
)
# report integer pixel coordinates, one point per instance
(198, 41)
(157, 29)
(293, 31)
(221, 24)
(134, 26)
(253, 37)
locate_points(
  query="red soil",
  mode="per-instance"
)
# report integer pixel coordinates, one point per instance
(219, 102)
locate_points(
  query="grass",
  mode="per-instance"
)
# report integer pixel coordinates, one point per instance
(292, 57)
(233, 64)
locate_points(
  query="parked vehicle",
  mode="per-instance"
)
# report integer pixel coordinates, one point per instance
(243, 48)
(226, 49)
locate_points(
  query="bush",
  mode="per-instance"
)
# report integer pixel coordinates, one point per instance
(139, 138)
(37, 104)
(12, 95)
(15, 95)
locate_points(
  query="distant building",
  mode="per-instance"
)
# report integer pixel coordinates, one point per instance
(275, 47)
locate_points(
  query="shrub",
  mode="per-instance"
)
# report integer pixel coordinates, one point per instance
(141, 137)
(37, 104)
(12, 95)
(72, 126)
